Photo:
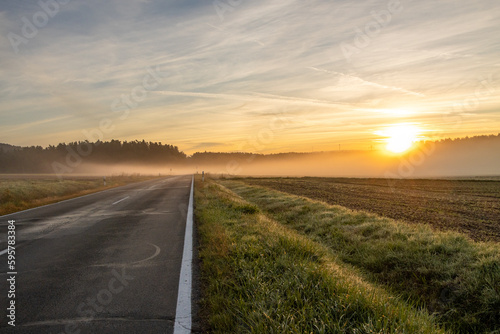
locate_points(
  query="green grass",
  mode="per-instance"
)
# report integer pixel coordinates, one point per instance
(18, 194)
(259, 276)
(454, 278)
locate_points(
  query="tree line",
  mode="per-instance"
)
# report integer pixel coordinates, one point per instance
(36, 159)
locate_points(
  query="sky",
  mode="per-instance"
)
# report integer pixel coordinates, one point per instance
(255, 76)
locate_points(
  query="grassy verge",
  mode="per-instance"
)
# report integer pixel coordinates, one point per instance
(453, 277)
(259, 276)
(18, 194)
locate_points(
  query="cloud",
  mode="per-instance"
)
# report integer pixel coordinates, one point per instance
(255, 97)
(223, 79)
(361, 81)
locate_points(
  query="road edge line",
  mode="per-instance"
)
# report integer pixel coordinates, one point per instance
(183, 310)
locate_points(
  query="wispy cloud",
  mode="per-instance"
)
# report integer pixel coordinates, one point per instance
(256, 97)
(223, 79)
(368, 83)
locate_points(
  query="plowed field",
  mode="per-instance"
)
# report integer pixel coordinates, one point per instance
(468, 206)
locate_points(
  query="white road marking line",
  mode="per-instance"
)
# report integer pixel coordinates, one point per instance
(120, 200)
(4, 251)
(183, 310)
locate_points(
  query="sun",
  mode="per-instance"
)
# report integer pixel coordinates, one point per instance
(400, 138)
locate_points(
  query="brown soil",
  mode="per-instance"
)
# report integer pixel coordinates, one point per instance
(467, 206)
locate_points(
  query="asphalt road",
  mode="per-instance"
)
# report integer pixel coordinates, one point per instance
(103, 263)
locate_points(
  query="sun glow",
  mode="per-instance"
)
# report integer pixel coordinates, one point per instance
(400, 138)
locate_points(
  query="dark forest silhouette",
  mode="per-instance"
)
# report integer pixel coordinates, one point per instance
(36, 159)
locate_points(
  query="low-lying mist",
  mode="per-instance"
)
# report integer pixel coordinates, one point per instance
(425, 160)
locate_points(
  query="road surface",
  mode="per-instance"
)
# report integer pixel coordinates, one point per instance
(103, 263)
